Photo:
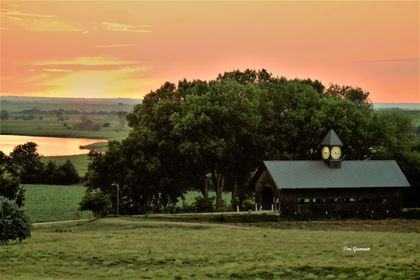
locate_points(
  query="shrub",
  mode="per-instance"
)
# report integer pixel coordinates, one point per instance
(248, 204)
(14, 224)
(202, 204)
(97, 202)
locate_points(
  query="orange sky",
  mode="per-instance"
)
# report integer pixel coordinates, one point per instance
(126, 48)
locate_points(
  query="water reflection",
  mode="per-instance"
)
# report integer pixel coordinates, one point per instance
(48, 146)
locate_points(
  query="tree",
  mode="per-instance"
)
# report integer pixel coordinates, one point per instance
(28, 160)
(122, 119)
(14, 224)
(67, 174)
(59, 115)
(4, 114)
(97, 202)
(9, 181)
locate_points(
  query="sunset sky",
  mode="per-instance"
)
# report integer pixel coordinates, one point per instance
(127, 48)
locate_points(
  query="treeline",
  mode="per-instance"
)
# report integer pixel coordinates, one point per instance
(24, 166)
(5, 113)
(213, 135)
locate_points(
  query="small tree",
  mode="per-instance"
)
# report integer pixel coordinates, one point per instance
(14, 224)
(97, 202)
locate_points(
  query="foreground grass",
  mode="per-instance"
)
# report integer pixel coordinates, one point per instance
(142, 248)
(45, 203)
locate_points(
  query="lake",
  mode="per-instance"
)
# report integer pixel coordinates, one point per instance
(48, 146)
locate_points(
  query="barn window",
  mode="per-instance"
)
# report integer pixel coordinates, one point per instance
(349, 200)
(364, 200)
(303, 200)
(319, 200)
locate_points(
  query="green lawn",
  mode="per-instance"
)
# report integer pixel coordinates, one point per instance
(143, 248)
(54, 202)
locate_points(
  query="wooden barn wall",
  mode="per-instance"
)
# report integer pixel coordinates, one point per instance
(339, 200)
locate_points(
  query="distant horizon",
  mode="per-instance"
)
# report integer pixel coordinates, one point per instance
(376, 105)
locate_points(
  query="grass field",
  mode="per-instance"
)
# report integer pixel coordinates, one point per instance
(143, 248)
(54, 203)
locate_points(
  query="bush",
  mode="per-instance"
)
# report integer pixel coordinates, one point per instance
(248, 204)
(14, 224)
(97, 202)
(202, 204)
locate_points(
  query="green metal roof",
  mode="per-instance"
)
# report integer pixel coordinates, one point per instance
(331, 139)
(352, 174)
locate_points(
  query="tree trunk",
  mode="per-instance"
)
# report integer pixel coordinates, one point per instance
(204, 188)
(220, 181)
(234, 200)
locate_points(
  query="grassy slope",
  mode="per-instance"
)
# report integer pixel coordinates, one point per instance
(53, 203)
(139, 248)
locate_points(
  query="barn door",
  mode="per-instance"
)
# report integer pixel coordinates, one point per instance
(267, 198)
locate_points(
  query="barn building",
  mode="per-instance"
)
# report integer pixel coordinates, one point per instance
(331, 185)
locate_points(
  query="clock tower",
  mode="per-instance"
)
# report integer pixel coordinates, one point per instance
(331, 149)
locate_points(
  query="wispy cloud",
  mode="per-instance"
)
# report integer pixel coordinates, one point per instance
(37, 22)
(114, 26)
(86, 61)
(17, 14)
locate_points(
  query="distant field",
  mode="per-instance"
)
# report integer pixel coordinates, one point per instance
(50, 104)
(144, 248)
(50, 126)
(53, 202)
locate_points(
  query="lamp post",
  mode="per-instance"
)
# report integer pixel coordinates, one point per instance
(118, 197)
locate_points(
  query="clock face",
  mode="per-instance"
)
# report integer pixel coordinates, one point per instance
(325, 153)
(336, 152)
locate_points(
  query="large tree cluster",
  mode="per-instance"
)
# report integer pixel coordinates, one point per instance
(213, 135)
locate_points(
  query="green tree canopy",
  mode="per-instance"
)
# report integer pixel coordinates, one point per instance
(212, 135)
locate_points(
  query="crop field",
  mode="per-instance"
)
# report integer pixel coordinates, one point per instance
(143, 248)
(47, 203)
(54, 202)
